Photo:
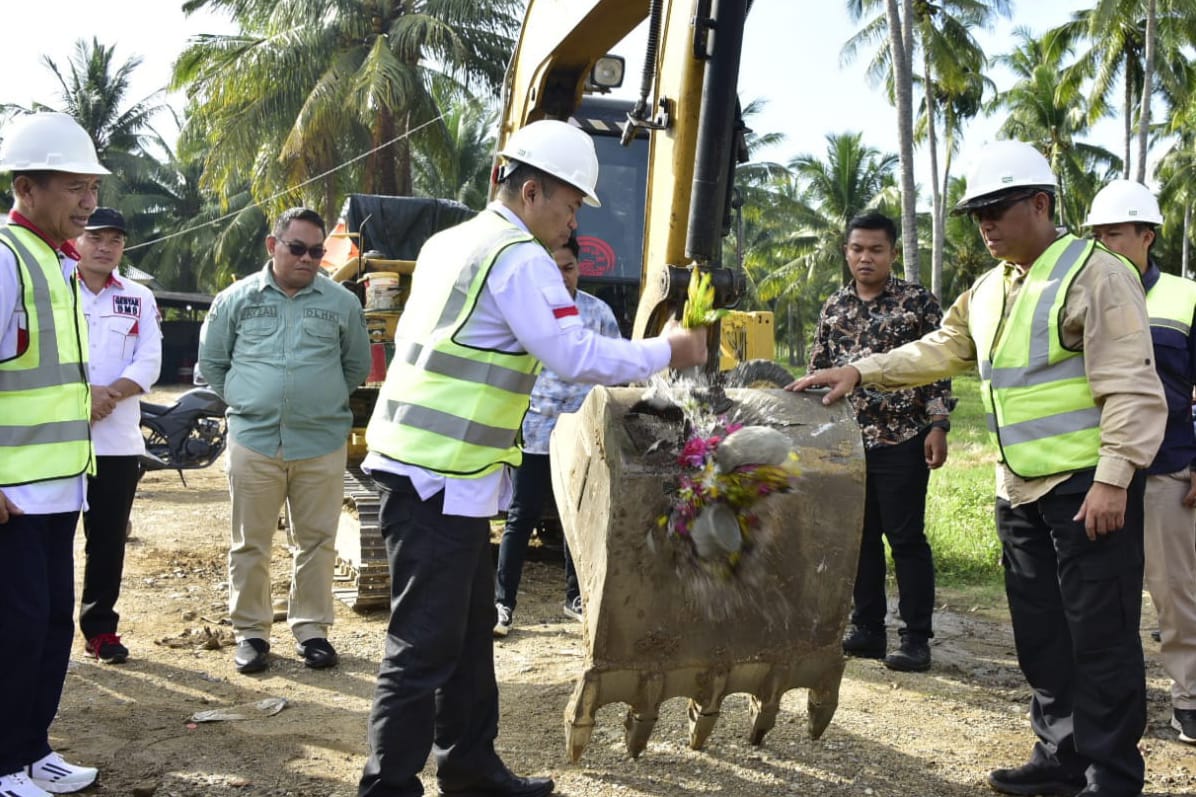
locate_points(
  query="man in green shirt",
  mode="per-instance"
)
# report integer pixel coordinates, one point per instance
(284, 348)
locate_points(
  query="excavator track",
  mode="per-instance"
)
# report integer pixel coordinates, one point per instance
(362, 578)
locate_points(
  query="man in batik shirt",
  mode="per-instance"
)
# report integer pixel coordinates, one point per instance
(905, 437)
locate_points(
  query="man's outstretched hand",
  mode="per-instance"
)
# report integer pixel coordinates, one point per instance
(841, 381)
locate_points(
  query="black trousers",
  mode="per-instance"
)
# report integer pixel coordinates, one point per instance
(897, 477)
(531, 488)
(110, 500)
(37, 604)
(1075, 605)
(436, 690)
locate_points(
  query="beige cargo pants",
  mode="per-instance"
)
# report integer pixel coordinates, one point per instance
(312, 490)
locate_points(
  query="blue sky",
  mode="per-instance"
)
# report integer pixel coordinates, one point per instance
(791, 58)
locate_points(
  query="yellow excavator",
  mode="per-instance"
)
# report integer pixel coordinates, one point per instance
(654, 626)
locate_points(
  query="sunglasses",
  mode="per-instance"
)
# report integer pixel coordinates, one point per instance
(995, 211)
(297, 249)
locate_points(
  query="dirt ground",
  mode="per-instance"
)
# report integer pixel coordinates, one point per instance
(937, 733)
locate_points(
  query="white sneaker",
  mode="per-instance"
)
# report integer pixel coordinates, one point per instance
(573, 609)
(58, 777)
(505, 618)
(17, 785)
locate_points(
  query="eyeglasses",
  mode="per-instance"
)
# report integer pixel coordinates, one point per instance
(297, 249)
(995, 211)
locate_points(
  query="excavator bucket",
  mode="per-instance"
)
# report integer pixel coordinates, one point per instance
(656, 624)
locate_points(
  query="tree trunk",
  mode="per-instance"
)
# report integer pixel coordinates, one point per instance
(330, 210)
(380, 165)
(937, 223)
(1186, 248)
(403, 159)
(1128, 122)
(900, 40)
(1147, 86)
(792, 333)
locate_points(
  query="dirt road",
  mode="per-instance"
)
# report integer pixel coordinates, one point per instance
(894, 734)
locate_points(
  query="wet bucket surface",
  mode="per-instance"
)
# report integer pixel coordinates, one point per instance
(658, 624)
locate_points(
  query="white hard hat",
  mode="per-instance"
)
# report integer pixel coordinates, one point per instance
(559, 149)
(1001, 167)
(52, 142)
(1124, 201)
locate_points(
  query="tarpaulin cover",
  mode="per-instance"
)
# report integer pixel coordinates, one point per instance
(398, 226)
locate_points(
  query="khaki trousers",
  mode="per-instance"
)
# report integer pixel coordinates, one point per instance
(313, 491)
(1170, 544)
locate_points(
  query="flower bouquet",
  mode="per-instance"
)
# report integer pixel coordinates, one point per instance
(726, 472)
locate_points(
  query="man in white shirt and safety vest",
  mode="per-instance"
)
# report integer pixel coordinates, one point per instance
(1059, 334)
(487, 306)
(1123, 217)
(124, 360)
(45, 442)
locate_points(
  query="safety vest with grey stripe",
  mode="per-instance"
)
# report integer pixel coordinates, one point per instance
(446, 406)
(1170, 304)
(1040, 411)
(44, 397)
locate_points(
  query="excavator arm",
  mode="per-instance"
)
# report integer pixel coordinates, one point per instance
(687, 103)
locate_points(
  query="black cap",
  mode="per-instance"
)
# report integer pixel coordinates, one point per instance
(105, 219)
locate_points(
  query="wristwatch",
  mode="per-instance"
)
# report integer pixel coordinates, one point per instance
(944, 424)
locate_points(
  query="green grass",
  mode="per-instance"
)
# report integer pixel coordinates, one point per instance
(959, 503)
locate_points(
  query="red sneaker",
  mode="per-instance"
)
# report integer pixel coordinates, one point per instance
(107, 648)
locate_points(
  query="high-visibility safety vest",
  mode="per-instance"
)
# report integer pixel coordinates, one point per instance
(1041, 413)
(445, 406)
(1170, 304)
(45, 401)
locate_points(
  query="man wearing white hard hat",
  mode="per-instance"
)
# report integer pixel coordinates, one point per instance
(1058, 331)
(45, 443)
(487, 307)
(1124, 217)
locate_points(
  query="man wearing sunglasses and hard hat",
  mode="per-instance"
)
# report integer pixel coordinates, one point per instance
(1059, 334)
(45, 442)
(487, 306)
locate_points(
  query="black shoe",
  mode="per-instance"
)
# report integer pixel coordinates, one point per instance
(317, 653)
(912, 656)
(1037, 777)
(865, 643)
(503, 783)
(253, 655)
(1184, 721)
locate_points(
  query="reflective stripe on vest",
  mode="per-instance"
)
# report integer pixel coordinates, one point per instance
(45, 401)
(1040, 411)
(1170, 303)
(445, 406)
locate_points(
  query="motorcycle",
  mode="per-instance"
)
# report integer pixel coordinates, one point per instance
(189, 434)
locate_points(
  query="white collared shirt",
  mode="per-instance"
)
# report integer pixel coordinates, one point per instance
(519, 309)
(125, 341)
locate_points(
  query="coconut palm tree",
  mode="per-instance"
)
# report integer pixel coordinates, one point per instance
(898, 22)
(1131, 44)
(94, 89)
(310, 85)
(1046, 108)
(794, 223)
(452, 158)
(952, 64)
